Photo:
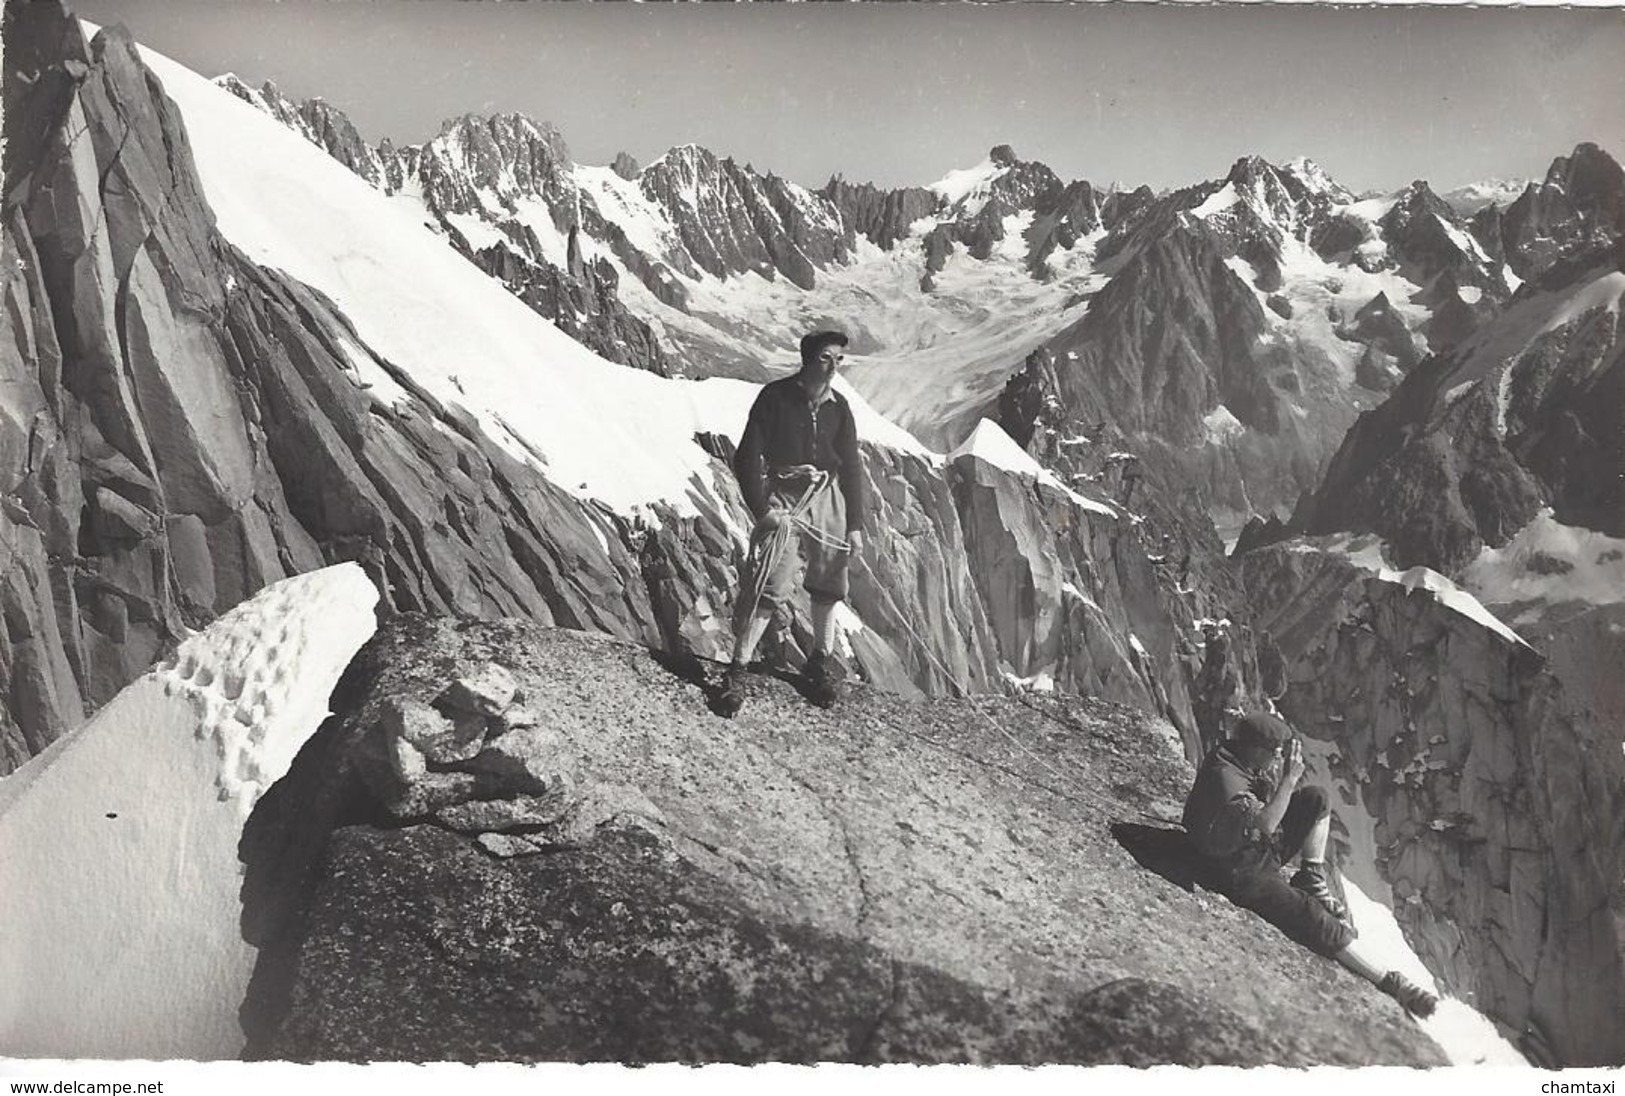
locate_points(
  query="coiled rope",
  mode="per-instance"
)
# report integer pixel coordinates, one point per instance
(766, 552)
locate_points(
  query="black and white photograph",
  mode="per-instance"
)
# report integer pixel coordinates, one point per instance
(885, 533)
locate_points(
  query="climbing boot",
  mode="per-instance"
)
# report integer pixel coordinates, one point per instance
(1311, 880)
(823, 679)
(1411, 997)
(731, 696)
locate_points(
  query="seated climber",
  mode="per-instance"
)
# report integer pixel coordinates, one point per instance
(1247, 817)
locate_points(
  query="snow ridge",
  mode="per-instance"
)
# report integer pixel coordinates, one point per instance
(259, 676)
(120, 876)
(990, 443)
(1368, 557)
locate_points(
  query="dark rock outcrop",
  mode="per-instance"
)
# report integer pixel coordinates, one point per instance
(1379, 327)
(1120, 208)
(1031, 398)
(1578, 207)
(1061, 217)
(894, 881)
(1435, 495)
(884, 216)
(733, 221)
(582, 302)
(1417, 228)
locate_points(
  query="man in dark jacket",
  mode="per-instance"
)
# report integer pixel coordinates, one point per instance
(800, 444)
(1247, 816)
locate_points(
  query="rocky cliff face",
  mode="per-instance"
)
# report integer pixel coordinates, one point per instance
(884, 216)
(1213, 641)
(1072, 596)
(1488, 770)
(1471, 445)
(1248, 320)
(1578, 207)
(183, 427)
(897, 881)
(733, 221)
(482, 169)
(1474, 785)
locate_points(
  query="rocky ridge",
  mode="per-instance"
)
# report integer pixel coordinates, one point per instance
(187, 426)
(1471, 445)
(895, 882)
(1248, 321)
(1295, 363)
(478, 170)
(1477, 788)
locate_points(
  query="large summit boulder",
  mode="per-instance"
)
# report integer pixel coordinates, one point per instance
(892, 880)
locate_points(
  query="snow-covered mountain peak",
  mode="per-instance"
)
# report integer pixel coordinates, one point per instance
(480, 162)
(685, 157)
(1266, 190)
(1315, 180)
(508, 138)
(688, 177)
(1469, 199)
(961, 184)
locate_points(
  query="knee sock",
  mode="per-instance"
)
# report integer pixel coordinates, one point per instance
(823, 625)
(751, 635)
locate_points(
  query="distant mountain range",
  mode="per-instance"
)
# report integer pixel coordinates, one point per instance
(231, 355)
(1229, 332)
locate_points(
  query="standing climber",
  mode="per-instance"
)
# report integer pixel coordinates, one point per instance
(800, 444)
(1247, 817)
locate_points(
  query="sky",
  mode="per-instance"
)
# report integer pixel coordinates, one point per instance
(900, 94)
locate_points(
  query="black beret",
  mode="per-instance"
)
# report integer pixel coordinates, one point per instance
(814, 341)
(1261, 729)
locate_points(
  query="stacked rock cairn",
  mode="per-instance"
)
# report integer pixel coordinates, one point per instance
(478, 761)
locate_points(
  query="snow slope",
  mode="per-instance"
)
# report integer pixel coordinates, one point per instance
(1537, 314)
(969, 185)
(1466, 1036)
(597, 429)
(990, 443)
(1549, 564)
(119, 875)
(1365, 552)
